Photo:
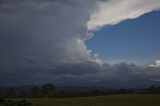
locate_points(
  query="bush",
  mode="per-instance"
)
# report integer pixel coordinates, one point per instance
(24, 102)
(10, 102)
(2, 100)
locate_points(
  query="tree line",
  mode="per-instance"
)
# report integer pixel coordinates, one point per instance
(49, 91)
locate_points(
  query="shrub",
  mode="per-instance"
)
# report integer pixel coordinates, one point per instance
(10, 102)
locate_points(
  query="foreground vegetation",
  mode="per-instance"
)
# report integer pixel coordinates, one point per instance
(11, 102)
(47, 95)
(110, 100)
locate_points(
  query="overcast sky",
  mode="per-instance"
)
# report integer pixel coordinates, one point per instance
(74, 42)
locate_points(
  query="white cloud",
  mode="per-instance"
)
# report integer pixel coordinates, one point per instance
(156, 64)
(97, 59)
(115, 11)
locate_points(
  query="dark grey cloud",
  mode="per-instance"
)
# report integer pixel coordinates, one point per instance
(44, 41)
(85, 74)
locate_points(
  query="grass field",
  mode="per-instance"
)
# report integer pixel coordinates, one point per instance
(113, 100)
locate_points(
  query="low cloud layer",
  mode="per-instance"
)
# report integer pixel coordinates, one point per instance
(44, 41)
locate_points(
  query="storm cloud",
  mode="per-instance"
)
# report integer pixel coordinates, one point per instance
(44, 41)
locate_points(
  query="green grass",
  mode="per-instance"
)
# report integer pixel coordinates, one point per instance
(113, 100)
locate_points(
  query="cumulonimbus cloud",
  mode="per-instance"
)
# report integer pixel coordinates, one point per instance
(45, 41)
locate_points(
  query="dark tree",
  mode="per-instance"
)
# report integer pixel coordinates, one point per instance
(2, 100)
(35, 91)
(11, 93)
(48, 90)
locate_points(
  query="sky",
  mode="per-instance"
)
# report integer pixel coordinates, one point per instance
(77, 42)
(132, 41)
